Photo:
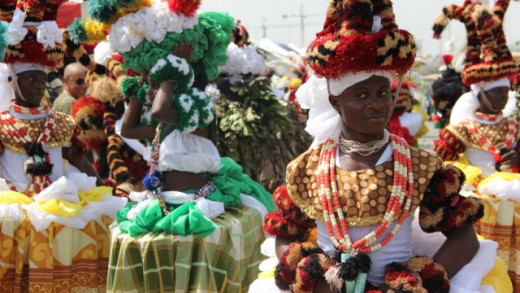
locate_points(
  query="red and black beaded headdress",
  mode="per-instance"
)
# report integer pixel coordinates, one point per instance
(34, 36)
(361, 35)
(487, 58)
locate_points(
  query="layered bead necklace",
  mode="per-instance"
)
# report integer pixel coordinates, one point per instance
(400, 199)
(39, 165)
(363, 149)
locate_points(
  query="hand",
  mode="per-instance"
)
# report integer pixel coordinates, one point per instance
(183, 50)
(510, 159)
(151, 92)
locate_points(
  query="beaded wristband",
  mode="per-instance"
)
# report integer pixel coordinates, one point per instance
(401, 278)
(285, 272)
(173, 68)
(310, 270)
(276, 224)
(434, 277)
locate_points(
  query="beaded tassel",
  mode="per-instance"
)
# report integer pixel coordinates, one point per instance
(153, 180)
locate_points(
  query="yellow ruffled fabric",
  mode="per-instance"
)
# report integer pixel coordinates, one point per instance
(295, 83)
(424, 129)
(267, 274)
(498, 278)
(133, 8)
(95, 30)
(472, 173)
(95, 194)
(57, 207)
(65, 208)
(60, 208)
(506, 176)
(13, 197)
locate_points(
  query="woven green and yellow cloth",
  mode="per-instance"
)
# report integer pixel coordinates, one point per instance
(225, 261)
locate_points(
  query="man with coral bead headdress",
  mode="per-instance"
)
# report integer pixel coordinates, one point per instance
(350, 185)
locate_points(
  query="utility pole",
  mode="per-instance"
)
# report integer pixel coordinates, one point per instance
(302, 17)
(302, 26)
(264, 28)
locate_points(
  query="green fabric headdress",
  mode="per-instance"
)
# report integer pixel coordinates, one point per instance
(143, 32)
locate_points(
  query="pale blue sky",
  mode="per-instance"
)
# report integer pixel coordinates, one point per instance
(415, 16)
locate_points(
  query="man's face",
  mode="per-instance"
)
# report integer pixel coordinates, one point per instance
(365, 107)
(76, 85)
(498, 98)
(32, 87)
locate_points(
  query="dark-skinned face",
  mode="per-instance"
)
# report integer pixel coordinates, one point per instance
(365, 107)
(32, 86)
(497, 97)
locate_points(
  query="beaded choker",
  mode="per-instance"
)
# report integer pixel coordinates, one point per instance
(29, 111)
(488, 117)
(363, 149)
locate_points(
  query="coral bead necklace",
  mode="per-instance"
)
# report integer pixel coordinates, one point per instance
(400, 199)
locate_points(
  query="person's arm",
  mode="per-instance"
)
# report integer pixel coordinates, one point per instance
(81, 163)
(281, 245)
(510, 161)
(444, 210)
(460, 247)
(162, 108)
(132, 127)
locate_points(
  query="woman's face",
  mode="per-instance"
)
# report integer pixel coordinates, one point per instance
(32, 85)
(366, 106)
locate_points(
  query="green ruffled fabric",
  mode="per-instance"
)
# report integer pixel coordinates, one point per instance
(141, 94)
(133, 87)
(218, 29)
(183, 220)
(230, 181)
(77, 31)
(145, 55)
(104, 10)
(209, 40)
(195, 110)
(170, 71)
(187, 219)
(130, 87)
(3, 39)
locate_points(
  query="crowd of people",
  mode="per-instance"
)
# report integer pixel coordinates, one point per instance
(153, 148)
